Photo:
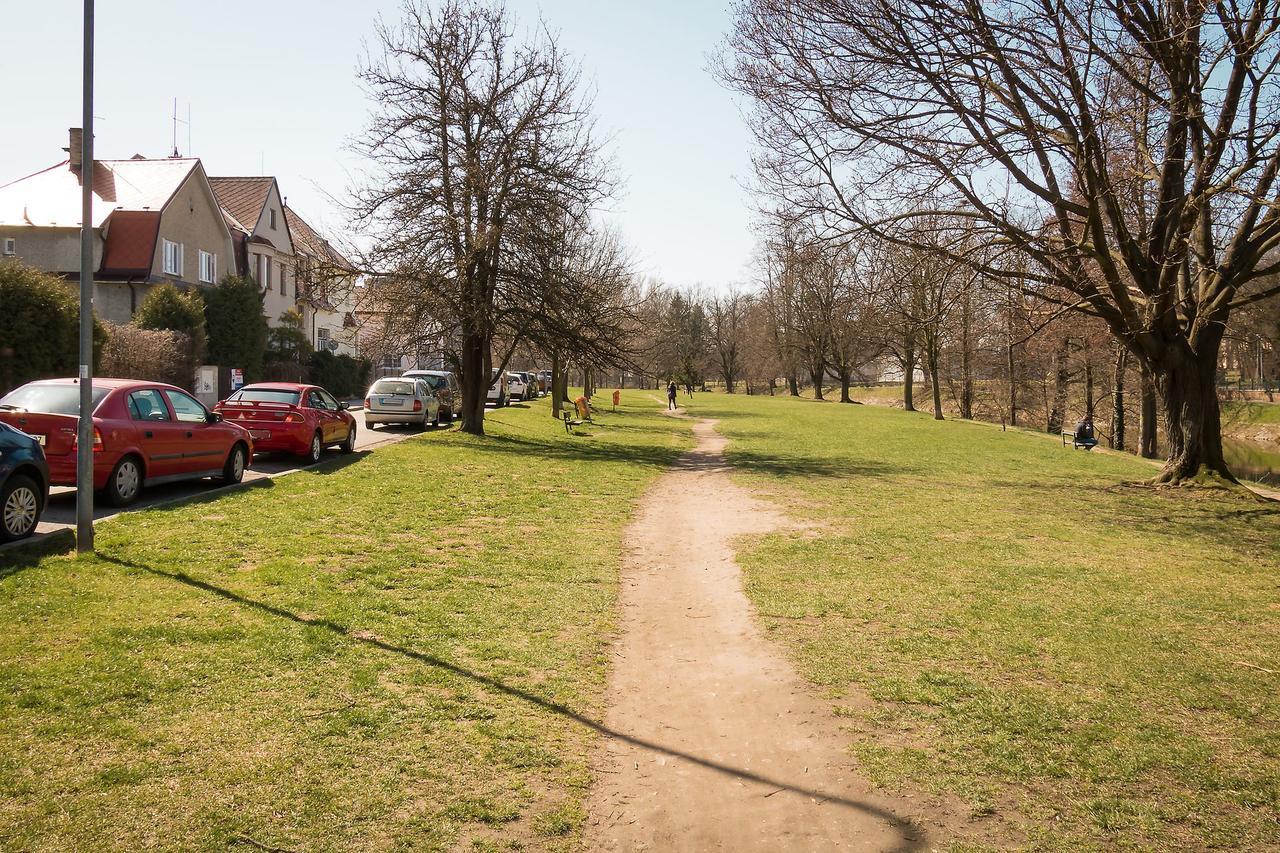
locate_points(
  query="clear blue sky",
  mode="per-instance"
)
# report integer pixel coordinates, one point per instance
(271, 86)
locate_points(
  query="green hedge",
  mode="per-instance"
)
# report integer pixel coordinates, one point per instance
(39, 326)
(340, 375)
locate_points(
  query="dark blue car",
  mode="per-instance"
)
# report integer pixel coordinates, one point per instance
(24, 483)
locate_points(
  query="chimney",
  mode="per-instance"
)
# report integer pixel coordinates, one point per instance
(75, 152)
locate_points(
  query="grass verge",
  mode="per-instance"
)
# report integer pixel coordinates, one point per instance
(382, 654)
(1086, 663)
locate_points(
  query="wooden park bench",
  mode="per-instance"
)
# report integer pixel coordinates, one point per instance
(1077, 443)
(584, 416)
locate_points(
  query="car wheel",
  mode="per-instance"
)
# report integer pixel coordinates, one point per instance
(20, 505)
(317, 447)
(448, 416)
(436, 422)
(125, 483)
(233, 471)
(349, 446)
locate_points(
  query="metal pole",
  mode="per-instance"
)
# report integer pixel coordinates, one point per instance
(84, 433)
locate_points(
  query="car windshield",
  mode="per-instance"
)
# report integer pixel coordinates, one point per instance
(49, 398)
(393, 386)
(265, 395)
(433, 381)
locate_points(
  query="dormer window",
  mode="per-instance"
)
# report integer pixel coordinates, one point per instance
(272, 213)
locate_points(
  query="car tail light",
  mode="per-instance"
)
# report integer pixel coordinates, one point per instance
(97, 441)
(366, 403)
(417, 405)
(293, 418)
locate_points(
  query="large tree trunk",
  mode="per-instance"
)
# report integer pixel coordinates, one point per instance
(1186, 383)
(793, 385)
(555, 385)
(931, 357)
(1147, 448)
(966, 355)
(475, 380)
(1061, 381)
(817, 374)
(909, 372)
(845, 378)
(1117, 410)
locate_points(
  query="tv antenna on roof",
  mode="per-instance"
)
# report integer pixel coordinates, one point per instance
(176, 122)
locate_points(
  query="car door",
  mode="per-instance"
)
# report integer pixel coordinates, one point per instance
(161, 440)
(326, 410)
(205, 444)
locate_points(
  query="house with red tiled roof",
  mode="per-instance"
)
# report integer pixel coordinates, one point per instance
(254, 209)
(153, 220)
(327, 282)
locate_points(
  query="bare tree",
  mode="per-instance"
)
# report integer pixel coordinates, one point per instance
(476, 141)
(727, 330)
(1133, 137)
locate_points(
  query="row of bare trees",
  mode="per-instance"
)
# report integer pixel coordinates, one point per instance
(484, 172)
(1117, 160)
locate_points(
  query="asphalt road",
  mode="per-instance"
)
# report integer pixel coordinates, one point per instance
(60, 514)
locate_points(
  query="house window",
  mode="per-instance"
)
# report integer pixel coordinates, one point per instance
(172, 258)
(322, 338)
(282, 270)
(264, 277)
(10, 246)
(391, 362)
(272, 214)
(208, 267)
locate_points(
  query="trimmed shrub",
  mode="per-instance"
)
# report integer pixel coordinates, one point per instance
(167, 307)
(289, 342)
(39, 326)
(157, 355)
(340, 375)
(235, 325)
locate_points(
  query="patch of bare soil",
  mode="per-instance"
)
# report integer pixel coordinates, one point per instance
(712, 739)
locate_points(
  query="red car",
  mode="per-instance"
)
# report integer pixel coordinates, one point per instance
(144, 434)
(298, 419)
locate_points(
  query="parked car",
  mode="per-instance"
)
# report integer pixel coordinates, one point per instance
(289, 417)
(445, 386)
(544, 381)
(517, 386)
(144, 434)
(498, 394)
(531, 380)
(24, 483)
(401, 400)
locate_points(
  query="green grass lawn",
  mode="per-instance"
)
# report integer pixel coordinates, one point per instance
(1249, 413)
(379, 655)
(1085, 663)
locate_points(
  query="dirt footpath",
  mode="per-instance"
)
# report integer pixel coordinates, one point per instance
(719, 743)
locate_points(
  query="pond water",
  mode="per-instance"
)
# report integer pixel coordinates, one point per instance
(1249, 460)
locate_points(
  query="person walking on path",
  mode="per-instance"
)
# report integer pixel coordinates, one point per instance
(671, 394)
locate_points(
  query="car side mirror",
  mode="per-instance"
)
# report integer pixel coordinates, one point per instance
(215, 417)
(343, 405)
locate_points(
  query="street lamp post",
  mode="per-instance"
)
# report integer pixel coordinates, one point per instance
(84, 430)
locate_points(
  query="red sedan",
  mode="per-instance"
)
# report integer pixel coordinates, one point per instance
(144, 434)
(298, 419)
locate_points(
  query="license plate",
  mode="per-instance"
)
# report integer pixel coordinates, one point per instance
(390, 401)
(260, 433)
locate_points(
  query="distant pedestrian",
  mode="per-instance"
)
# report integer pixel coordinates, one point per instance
(671, 394)
(1084, 430)
(688, 387)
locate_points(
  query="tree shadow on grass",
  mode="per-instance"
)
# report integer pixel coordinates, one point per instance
(743, 460)
(911, 835)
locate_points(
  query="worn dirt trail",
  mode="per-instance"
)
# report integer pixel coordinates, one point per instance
(716, 742)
